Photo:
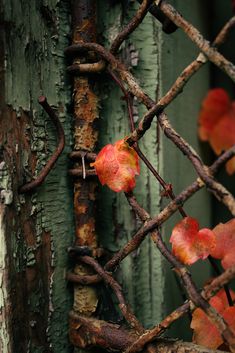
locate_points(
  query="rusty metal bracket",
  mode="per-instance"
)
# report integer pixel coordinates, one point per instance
(83, 171)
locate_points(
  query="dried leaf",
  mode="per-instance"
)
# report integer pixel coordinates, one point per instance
(205, 332)
(225, 243)
(190, 244)
(217, 123)
(117, 165)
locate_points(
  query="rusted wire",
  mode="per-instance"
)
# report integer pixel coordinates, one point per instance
(51, 162)
(205, 174)
(131, 26)
(208, 291)
(196, 37)
(165, 214)
(125, 309)
(178, 85)
(87, 68)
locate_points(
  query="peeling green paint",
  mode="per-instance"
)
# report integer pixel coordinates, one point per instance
(6, 195)
(35, 65)
(176, 53)
(37, 35)
(149, 282)
(142, 272)
(4, 303)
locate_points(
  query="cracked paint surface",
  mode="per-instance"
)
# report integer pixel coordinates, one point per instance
(39, 225)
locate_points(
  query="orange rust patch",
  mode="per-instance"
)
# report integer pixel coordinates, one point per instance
(85, 101)
(93, 186)
(85, 300)
(81, 208)
(87, 26)
(85, 233)
(85, 137)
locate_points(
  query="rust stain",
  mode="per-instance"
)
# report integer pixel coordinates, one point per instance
(81, 208)
(85, 137)
(86, 300)
(87, 26)
(86, 112)
(86, 234)
(85, 100)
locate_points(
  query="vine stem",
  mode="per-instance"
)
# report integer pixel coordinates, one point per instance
(167, 187)
(128, 98)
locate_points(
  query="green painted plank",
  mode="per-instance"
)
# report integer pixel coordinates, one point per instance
(149, 283)
(177, 53)
(35, 65)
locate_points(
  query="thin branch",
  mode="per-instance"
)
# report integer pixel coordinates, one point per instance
(167, 187)
(218, 272)
(165, 214)
(218, 190)
(208, 292)
(167, 25)
(113, 337)
(125, 309)
(223, 159)
(131, 26)
(178, 85)
(196, 298)
(196, 37)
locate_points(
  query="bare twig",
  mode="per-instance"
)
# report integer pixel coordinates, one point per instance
(178, 85)
(165, 214)
(131, 26)
(196, 298)
(205, 174)
(125, 309)
(208, 292)
(196, 37)
(218, 190)
(166, 186)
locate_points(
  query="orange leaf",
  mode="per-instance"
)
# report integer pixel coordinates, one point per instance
(190, 244)
(223, 134)
(205, 332)
(214, 106)
(117, 165)
(225, 243)
(217, 123)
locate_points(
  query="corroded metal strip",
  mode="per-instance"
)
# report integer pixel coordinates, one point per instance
(85, 139)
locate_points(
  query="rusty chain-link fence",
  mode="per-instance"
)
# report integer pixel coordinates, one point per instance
(89, 57)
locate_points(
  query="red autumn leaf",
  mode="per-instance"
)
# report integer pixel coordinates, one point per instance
(190, 244)
(233, 5)
(217, 123)
(205, 332)
(225, 243)
(214, 106)
(117, 165)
